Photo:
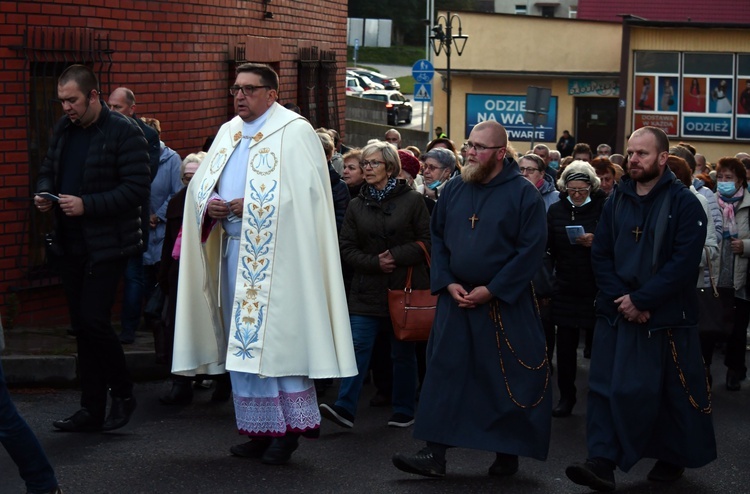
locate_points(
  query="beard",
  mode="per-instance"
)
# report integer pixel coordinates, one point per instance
(478, 172)
(644, 174)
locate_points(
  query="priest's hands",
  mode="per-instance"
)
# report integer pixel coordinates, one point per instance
(630, 312)
(469, 300)
(218, 209)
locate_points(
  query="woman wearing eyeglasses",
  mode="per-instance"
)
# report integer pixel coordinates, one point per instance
(439, 165)
(580, 205)
(379, 242)
(533, 169)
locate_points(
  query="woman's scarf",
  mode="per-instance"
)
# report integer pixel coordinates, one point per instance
(379, 195)
(728, 205)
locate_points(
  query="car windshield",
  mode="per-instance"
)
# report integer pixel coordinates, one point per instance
(380, 97)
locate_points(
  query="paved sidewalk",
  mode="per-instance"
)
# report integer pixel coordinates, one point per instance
(47, 357)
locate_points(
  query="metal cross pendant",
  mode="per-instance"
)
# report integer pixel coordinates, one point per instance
(637, 232)
(473, 220)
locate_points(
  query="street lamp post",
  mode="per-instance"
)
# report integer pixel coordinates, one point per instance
(444, 39)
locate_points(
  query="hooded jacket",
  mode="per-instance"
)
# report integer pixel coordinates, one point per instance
(658, 266)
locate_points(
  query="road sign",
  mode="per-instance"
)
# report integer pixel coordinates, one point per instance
(423, 92)
(422, 71)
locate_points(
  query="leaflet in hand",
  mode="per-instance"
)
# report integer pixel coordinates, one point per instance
(574, 231)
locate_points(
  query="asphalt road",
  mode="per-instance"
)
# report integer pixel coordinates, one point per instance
(185, 450)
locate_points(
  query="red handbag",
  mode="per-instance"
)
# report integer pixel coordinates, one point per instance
(412, 311)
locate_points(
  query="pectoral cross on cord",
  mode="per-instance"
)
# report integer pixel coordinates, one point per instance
(473, 220)
(637, 232)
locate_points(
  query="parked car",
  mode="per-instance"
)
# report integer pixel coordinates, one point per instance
(398, 107)
(387, 81)
(352, 87)
(365, 82)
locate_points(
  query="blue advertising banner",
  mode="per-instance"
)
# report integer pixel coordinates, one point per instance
(743, 128)
(509, 111)
(707, 126)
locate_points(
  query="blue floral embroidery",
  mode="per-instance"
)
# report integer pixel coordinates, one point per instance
(255, 263)
(247, 331)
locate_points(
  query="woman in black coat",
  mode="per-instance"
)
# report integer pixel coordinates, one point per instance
(580, 205)
(379, 243)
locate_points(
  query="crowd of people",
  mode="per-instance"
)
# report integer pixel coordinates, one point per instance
(269, 255)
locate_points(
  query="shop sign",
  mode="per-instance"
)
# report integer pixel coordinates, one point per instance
(667, 123)
(594, 87)
(706, 126)
(509, 111)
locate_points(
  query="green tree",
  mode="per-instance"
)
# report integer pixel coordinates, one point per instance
(408, 15)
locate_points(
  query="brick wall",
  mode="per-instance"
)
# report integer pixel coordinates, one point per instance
(721, 11)
(174, 55)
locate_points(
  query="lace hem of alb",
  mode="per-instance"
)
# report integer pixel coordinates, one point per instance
(276, 415)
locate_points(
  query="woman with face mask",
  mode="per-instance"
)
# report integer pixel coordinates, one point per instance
(580, 205)
(439, 164)
(734, 201)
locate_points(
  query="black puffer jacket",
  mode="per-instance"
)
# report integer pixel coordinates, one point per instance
(573, 300)
(116, 181)
(370, 229)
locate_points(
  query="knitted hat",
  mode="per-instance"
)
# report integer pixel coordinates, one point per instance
(409, 163)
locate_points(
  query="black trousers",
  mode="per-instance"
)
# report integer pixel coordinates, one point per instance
(91, 294)
(567, 360)
(737, 341)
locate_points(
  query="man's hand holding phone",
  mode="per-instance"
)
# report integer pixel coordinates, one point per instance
(44, 201)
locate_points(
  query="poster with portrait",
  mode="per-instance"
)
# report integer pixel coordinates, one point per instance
(743, 96)
(644, 90)
(668, 93)
(721, 94)
(694, 94)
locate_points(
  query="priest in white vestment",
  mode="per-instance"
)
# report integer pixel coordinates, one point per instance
(260, 287)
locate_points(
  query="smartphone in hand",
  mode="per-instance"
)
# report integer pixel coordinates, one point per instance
(48, 196)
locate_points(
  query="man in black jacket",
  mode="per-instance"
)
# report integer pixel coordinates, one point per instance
(96, 176)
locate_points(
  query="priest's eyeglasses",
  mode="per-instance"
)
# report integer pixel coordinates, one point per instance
(573, 190)
(246, 90)
(478, 147)
(372, 164)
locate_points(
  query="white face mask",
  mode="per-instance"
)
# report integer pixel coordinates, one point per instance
(588, 200)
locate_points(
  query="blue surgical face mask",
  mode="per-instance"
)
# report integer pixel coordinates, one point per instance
(434, 185)
(727, 189)
(554, 164)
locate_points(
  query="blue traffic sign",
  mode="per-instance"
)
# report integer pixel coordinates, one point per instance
(423, 92)
(422, 71)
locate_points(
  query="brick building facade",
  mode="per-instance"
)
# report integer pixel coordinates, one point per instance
(178, 57)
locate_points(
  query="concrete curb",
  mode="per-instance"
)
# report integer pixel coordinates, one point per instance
(62, 370)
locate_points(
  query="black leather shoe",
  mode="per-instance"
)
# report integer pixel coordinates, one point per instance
(251, 449)
(596, 473)
(81, 421)
(281, 449)
(665, 472)
(564, 408)
(180, 394)
(422, 463)
(119, 413)
(733, 381)
(504, 465)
